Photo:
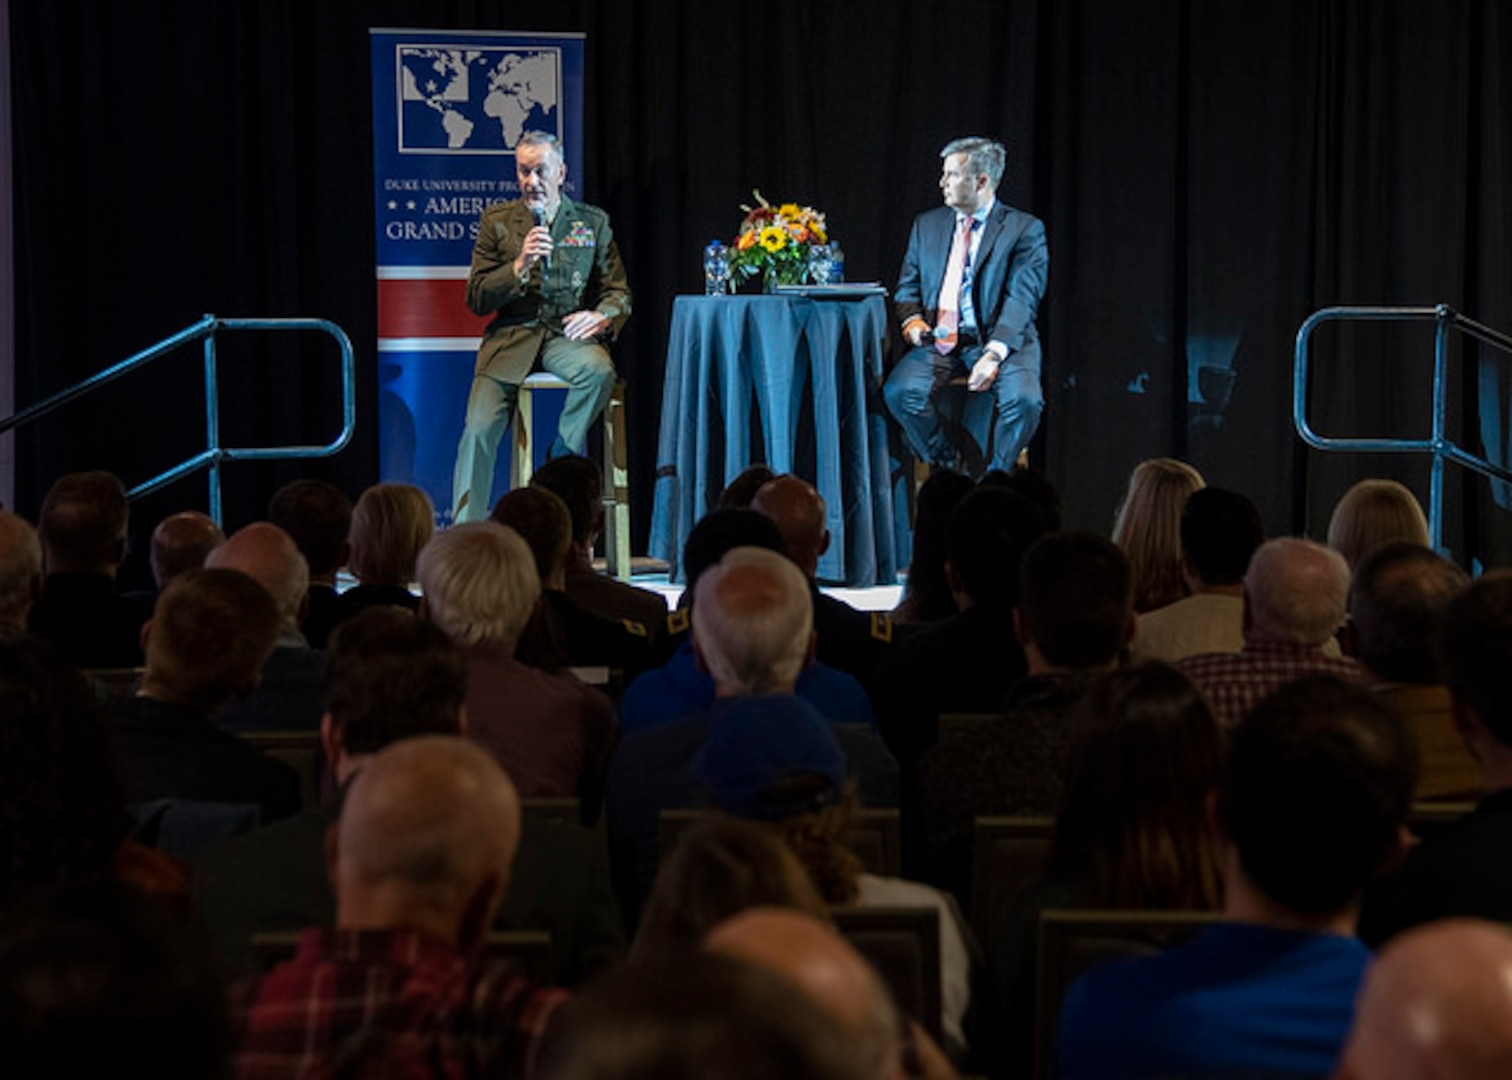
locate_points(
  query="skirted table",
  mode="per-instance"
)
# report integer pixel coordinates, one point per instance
(792, 381)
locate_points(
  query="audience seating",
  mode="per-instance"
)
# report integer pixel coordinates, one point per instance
(1007, 855)
(1073, 941)
(189, 828)
(875, 836)
(903, 944)
(563, 811)
(116, 682)
(530, 949)
(616, 488)
(300, 749)
(1427, 819)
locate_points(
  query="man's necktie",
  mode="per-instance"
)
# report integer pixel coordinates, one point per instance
(950, 290)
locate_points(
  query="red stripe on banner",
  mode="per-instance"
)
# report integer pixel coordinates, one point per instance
(410, 308)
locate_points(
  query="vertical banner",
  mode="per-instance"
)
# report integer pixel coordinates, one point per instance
(448, 109)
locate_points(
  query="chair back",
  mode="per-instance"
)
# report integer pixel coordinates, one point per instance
(903, 945)
(302, 750)
(529, 949)
(875, 836)
(1070, 942)
(1007, 855)
(565, 810)
(189, 828)
(1428, 819)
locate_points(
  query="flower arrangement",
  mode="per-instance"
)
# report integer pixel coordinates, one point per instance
(774, 241)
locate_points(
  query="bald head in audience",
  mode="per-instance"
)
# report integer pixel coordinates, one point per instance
(1436, 1005)
(824, 966)
(20, 572)
(270, 557)
(182, 542)
(1296, 591)
(798, 511)
(427, 834)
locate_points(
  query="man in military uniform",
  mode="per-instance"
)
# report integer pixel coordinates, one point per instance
(547, 269)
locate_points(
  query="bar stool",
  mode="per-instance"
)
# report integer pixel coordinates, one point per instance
(616, 485)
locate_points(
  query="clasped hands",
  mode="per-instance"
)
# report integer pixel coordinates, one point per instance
(983, 372)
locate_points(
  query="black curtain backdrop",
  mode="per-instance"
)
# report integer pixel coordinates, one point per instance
(1209, 172)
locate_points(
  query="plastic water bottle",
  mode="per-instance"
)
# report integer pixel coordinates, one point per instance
(716, 269)
(836, 263)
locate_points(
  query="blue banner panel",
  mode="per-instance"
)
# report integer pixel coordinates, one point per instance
(448, 110)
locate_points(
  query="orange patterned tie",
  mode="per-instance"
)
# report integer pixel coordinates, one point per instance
(950, 289)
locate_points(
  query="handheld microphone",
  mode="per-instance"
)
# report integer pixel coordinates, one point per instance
(540, 219)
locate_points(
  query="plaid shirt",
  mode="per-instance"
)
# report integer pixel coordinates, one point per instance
(388, 1003)
(1234, 683)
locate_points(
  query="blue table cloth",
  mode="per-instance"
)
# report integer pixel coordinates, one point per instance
(803, 374)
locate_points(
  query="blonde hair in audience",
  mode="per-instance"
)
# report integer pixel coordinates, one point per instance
(391, 524)
(1147, 528)
(1372, 514)
(479, 583)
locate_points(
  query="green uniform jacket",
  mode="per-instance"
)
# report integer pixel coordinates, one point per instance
(586, 272)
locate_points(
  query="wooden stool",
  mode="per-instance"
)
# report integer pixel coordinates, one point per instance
(616, 484)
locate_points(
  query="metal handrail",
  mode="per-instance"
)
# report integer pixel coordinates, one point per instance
(1442, 448)
(215, 454)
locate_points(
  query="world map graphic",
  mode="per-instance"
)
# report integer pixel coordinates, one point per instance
(475, 100)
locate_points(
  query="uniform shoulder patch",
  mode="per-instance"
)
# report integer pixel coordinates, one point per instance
(677, 621)
(638, 629)
(881, 627)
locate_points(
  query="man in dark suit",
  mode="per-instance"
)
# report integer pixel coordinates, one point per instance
(967, 294)
(546, 268)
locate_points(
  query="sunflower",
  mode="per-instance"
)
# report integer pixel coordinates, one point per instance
(773, 238)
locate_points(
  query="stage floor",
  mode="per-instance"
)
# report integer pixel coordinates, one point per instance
(876, 598)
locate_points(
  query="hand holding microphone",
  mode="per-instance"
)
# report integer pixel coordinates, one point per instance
(539, 215)
(537, 245)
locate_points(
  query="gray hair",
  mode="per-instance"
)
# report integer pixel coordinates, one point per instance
(752, 620)
(984, 157)
(542, 138)
(1297, 591)
(480, 583)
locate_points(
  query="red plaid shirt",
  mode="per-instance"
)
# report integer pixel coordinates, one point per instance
(389, 1003)
(1234, 683)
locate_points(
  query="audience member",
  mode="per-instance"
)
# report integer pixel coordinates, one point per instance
(681, 687)
(849, 640)
(420, 861)
(1462, 868)
(1147, 528)
(391, 524)
(1312, 803)
(967, 663)
(1220, 532)
(390, 676)
(1374, 513)
(83, 532)
(20, 574)
(182, 542)
(698, 1017)
(1032, 485)
(63, 810)
(560, 634)
(287, 696)
(1075, 614)
(318, 516)
(753, 629)
(786, 768)
(1295, 596)
(825, 969)
(1133, 831)
(739, 492)
(209, 636)
(578, 483)
(1397, 606)
(551, 733)
(927, 597)
(719, 868)
(97, 981)
(1436, 1006)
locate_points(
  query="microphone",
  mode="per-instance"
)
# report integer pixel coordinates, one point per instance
(540, 219)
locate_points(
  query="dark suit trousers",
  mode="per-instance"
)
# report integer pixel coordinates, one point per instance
(943, 422)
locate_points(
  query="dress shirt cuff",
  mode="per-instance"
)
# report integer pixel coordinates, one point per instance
(997, 350)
